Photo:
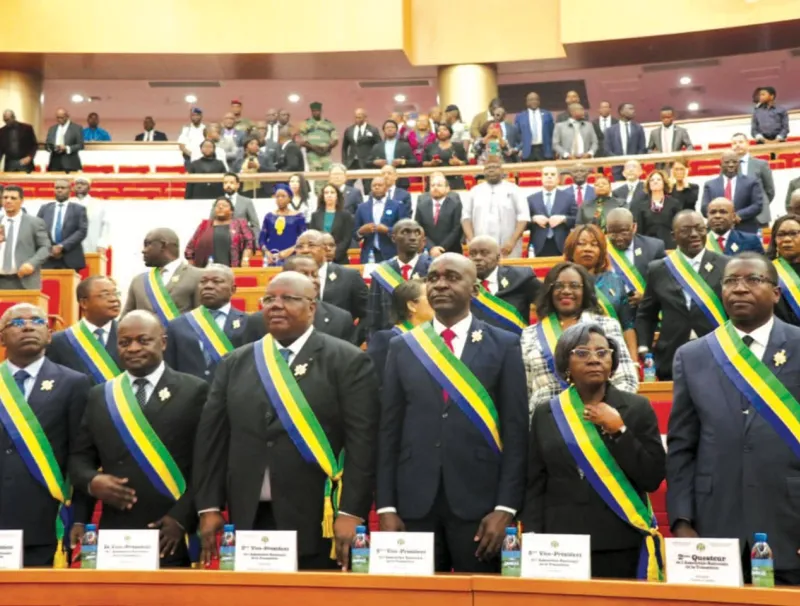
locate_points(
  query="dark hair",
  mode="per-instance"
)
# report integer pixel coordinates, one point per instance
(85, 285)
(740, 135)
(621, 106)
(305, 190)
(248, 141)
(339, 198)
(444, 125)
(772, 249)
(544, 302)
(225, 199)
(603, 263)
(17, 189)
(389, 121)
(769, 268)
(292, 261)
(576, 335)
(213, 145)
(664, 178)
(768, 89)
(410, 290)
(95, 114)
(668, 108)
(234, 175)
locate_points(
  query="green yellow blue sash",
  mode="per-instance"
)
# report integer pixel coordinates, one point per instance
(607, 478)
(300, 422)
(387, 277)
(457, 380)
(713, 245)
(790, 283)
(626, 269)
(693, 283)
(92, 353)
(548, 330)
(402, 328)
(605, 304)
(141, 439)
(215, 342)
(500, 310)
(758, 384)
(159, 297)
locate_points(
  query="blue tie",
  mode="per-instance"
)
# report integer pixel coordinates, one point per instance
(548, 204)
(99, 334)
(286, 353)
(19, 378)
(59, 221)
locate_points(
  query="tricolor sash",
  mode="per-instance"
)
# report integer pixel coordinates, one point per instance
(300, 422)
(548, 330)
(693, 283)
(215, 342)
(790, 283)
(713, 245)
(159, 297)
(605, 304)
(387, 277)
(457, 380)
(92, 353)
(627, 270)
(402, 328)
(500, 310)
(609, 481)
(758, 384)
(141, 439)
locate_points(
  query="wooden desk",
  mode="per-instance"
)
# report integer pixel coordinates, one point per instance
(96, 264)
(60, 285)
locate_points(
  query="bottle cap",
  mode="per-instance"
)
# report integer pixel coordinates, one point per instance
(511, 530)
(761, 537)
(228, 528)
(91, 527)
(361, 529)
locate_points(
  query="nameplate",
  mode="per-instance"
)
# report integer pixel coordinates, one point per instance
(10, 549)
(704, 562)
(266, 551)
(403, 553)
(556, 556)
(127, 549)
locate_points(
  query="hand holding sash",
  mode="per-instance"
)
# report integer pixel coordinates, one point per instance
(604, 416)
(111, 490)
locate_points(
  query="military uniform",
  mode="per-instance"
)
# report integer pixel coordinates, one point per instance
(318, 132)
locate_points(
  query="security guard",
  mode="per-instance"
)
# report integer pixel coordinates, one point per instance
(319, 138)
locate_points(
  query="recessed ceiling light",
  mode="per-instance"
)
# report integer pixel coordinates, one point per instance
(190, 98)
(76, 98)
(294, 98)
(400, 98)
(693, 106)
(685, 80)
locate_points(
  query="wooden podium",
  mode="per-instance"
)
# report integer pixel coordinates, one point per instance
(9, 298)
(60, 285)
(96, 264)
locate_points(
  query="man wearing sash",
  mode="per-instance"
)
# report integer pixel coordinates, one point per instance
(280, 415)
(409, 263)
(723, 238)
(41, 405)
(685, 289)
(506, 292)
(454, 426)
(90, 346)
(733, 441)
(169, 287)
(198, 340)
(134, 450)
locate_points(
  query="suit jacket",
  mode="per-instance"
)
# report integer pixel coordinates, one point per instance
(184, 352)
(560, 500)
(355, 154)
(588, 192)
(794, 185)
(352, 199)
(26, 504)
(183, 292)
(378, 350)
(739, 241)
(341, 230)
(663, 294)
(759, 169)
(511, 134)
(392, 213)
(563, 204)
(31, 245)
(523, 123)
(398, 194)
(518, 286)
(241, 437)
(636, 143)
(731, 474)
(74, 226)
(328, 319)
(347, 290)
(447, 231)
(748, 199)
(587, 211)
(174, 419)
(157, 136)
(639, 195)
(680, 140)
(427, 443)
(601, 136)
(243, 209)
(645, 251)
(564, 133)
(380, 301)
(402, 150)
(26, 143)
(73, 139)
(60, 351)
(290, 159)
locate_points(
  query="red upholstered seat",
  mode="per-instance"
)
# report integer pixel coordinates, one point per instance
(239, 303)
(99, 168)
(246, 281)
(134, 170)
(179, 168)
(52, 288)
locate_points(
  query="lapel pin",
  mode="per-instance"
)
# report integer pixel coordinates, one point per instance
(477, 335)
(164, 395)
(327, 319)
(300, 370)
(504, 282)
(236, 324)
(779, 359)
(414, 276)
(637, 252)
(175, 280)
(48, 384)
(734, 247)
(332, 276)
(709, 267)
(611, 292)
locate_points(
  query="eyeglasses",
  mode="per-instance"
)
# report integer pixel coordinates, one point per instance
(690, 229)
(787, 234)
(285, 299)
(750, 282)
(586, 354)
(21, 322)
(109, 294)
(567, 285)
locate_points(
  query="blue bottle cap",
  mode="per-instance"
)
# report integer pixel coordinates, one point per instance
(361, 529)
(91, 527)
(511, 530)
(761, 537)
(227, 528)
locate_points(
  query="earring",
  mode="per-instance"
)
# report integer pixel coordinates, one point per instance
(568, 377)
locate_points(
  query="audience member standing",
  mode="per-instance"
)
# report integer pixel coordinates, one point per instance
(770, 122)
(98, 234)
(281, 228)
(396, 192)
(601, 124)
(509, 132)
(535, 127)
(452, 117)
(684, 192)
(290, 156)
(439, 214)
(207, 164)
(150, 133)
(18, 144)
(626, 138)
(746, 193)
(192, 135)
(392, 151)
(64, 141)
(24, 244)
(669, 137)
(446, 152)
(242, 206)
(580, 189)
(655, 213)
(224, 239)
(93, 132)
(331, 218)
(784, 251)
(242, 124)
(67, 225)
(757, 169)
(375, 221)
(553, 213)
(595, 211)
(571, 98)
(319, 139)
(359, 139)
(420, 137)
(723, 238)
(482, 118)
(337, 176)
(632, 190)
(574, 138)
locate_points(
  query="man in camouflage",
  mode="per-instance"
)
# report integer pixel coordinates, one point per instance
(319, 138)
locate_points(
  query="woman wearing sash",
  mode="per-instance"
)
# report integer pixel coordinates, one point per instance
(567, 298)
(410, 308)
(654, 216)
(281, 228)
(784, 250)
(586, 245)
(618, 432)
(223, 240)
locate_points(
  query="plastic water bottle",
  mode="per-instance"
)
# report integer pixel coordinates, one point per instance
(511, 554)
(227, 548)
(649, 368)
(359, 551)
(761, 562)
(371, 257)
(265, 259)
(210, 260)
(89, 547)
(531, 251)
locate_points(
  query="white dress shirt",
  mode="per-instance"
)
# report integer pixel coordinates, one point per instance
(630, 252)
(61, 133)
(760, 338)
(535, 119)
(192, 136)
(106, 328)
(492, 281)
(98, 235)
(152, 380)
(168, 271)
(605, 123)
(580, 147)
(55, 220)
(696, 263)
(148, 135)
(8, 227)
(667, 136)
(32, 369)
(623, 136)
(323, 276)
(743, 163)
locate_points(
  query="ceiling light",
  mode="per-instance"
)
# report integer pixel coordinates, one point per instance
(693, 106)
(685, 80)
(400, 98)
(76, 98)
(190, 98)
(294, 98)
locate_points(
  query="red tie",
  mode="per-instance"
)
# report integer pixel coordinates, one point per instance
(437, 207)
(485, 284)
(728, 190)
(448, 335)
(406, 269)
(721, 242)
(579, 196)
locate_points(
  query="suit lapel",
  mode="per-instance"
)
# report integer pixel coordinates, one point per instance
(111, 343)
(471, 348)
(40, 396)
(307, 356)
(233, 322)
(504, 283)
(777, 342)
(176, 277)
(162, 394)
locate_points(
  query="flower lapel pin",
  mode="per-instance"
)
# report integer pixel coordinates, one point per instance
(709, 267)
(735, 247)
(300, 370)
(332, 277)
(164, 395)
(504, 282)
(48, 385)
(779, 359)
(477, 335)
(236, 324)
(637, 252)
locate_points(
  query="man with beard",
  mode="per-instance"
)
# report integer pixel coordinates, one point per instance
(724, 239)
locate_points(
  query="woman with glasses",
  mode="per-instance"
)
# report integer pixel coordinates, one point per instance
(654, 216)
(567, 298)
(784, 250)
(684, 192)
(593, 419)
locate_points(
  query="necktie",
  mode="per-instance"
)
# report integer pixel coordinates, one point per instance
(728, 189)
(576, 140)
(721, 242)
(437, 207)
(631, 189)
(448, 335)
(748, 340)
(141, 393)
(8, 252)
(579, 194)
(286, 353)
(59, 222)
(548, 204)
(100, 334)
(406, 270)
(485, 284)
(19, 378)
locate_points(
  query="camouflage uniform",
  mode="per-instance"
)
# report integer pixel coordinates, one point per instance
(318, 132)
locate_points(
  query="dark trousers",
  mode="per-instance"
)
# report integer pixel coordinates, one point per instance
(453, 539)
(536, 155)
(56, 164)
(38, 556)
(550, 249)
(615, 564)
(54, 263)
(13, 166)
(10, 282)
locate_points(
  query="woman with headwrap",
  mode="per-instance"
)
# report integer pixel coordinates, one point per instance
(281, 228)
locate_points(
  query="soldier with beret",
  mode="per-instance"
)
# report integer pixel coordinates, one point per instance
(319, 137)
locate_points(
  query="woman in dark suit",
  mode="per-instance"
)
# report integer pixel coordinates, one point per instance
(654, 216)
(207, 164)
(785, 245)
(444, 152)
(560, 496)
(684, 192)
(331, 218)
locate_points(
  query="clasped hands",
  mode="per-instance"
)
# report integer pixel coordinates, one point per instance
(545, 221)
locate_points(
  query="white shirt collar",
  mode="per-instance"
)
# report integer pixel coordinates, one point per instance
(412, 262)
(761, 334)
(298, 344)
(32, 369)
(171, 267)
(461, 328)
(65, 203)
(745, 158)
(105, 327)
(323, 269)
(492, 278)
(225, 310)
(725, 236)
(697, 260)
(65, 125)
(153, 378)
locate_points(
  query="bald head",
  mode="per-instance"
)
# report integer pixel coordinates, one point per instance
(161, 246)
(289, 306)
(293, 282)
(620, 214)
(143, 318)
(451, 284)
(141, 342)
(24, 333)
(311, 243)
(457, 262)
(620, 228)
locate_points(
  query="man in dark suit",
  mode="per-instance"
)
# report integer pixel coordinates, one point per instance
(67, 224)
(669, 137)
(98, 299)
(186, 352)
(632, 189)
(408, 263)
(395, 192)
(601, 125)
(626, 138)
(439, 215)
(24, 244)
(510, 132)
(580, 189)
(150, 133)
(337, 176)
(17, 144)
(553, 213)
(392, 151)
(374, 222)
(249, 460)
(721, 222)
(437, 472)
(359, 139)
(535, 126)
(731, 472)
(171, 402)
(681, 318)
(745, 193)
(517, 286)
(57, 398)
(290, 156)
(64, 141)
(758, 169)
